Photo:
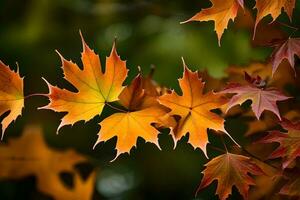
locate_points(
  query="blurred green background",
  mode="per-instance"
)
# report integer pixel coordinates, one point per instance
(148, 33)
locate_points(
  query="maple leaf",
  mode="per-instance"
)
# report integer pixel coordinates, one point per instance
(220, 12)
(142, 111)
(11, 95)
(194, 108)
(289, 148)
(262, 99)
(266, 7)
(230, 170)
(29, 155)
(286, 49)
(95, 88)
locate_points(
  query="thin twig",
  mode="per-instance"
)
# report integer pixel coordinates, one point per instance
(222, 139)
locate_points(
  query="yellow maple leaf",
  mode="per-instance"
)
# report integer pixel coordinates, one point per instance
(95, 88)
(11, 95)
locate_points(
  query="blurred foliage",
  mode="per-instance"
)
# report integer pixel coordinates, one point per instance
(148, 33)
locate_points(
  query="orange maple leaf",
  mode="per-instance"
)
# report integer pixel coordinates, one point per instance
(194, 108)
(11, 95)
(141, 112)
(273, 8)
(95, 88)
(221, 12)
(230, 170)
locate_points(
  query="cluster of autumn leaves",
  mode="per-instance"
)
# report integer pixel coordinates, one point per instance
(143, 107)
(222, 12)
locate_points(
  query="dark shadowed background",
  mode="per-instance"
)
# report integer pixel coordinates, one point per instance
(148, 33)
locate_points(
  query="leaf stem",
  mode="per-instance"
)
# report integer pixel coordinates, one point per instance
(34, 95)
(216, 148)
(115, 108)
(289, 26)
(222, 139)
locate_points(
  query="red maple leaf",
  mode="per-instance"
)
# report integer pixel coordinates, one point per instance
(286, 49)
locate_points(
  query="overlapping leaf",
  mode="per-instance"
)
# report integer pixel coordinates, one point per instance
(289, 148)
(194, 108)
(221, 13)
(230, 170)
(286, 49)
(262, 99)
(273, 8)
(95, 88)
(142, 112)
(11, 95)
